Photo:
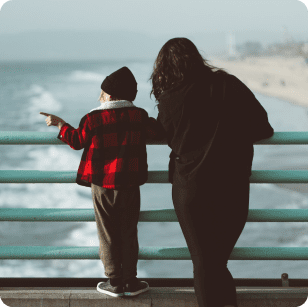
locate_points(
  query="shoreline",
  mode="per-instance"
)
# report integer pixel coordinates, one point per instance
(283, 78)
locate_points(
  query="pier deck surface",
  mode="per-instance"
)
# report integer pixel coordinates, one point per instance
(155, 297)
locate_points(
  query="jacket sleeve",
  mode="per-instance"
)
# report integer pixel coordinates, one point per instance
(254, 115)
(75, 138)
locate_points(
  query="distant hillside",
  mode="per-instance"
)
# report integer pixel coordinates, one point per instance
(87, 45)
(73, 45)
(117, 44)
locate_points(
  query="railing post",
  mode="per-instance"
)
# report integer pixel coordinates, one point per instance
(285, 280)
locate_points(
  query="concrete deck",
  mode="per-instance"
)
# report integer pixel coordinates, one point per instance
(155, 297)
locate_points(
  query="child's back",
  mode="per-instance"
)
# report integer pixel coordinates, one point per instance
(117, 155)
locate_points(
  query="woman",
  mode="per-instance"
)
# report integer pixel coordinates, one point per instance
(211, 120)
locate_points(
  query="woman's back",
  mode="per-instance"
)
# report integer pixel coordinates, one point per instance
(217, 111)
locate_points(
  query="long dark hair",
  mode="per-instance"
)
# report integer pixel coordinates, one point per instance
(177, 60)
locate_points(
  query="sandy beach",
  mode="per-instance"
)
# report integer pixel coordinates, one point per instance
(284, 78)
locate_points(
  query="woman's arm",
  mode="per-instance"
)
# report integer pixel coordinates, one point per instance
(154, 129)
(253, 115)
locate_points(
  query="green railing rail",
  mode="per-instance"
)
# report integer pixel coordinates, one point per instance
(157, 215)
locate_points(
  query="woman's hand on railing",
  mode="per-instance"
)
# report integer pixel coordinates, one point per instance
(53, 120)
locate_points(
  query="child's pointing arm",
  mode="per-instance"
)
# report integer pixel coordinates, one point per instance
(75, 138)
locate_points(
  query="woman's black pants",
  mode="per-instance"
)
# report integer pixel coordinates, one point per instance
(212, 216)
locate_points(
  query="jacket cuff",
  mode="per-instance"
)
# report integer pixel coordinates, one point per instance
(60, 136)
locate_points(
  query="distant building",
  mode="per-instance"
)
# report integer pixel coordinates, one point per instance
(287, 49)
(250, 49)
(232, 52)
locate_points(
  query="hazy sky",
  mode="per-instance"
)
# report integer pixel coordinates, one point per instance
(174, 17)
(143, 25)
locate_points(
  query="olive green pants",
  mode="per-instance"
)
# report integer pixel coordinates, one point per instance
(117, 215)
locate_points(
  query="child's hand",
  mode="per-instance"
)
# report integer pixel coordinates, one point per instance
(53, 120)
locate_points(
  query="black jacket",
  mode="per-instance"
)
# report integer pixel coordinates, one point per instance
(217, 115)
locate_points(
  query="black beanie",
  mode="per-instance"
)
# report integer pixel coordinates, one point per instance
(121, 84)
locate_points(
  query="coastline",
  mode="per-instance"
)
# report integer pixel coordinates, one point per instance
(280, 77)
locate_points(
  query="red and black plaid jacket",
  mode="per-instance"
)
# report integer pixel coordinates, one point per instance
(114, 142)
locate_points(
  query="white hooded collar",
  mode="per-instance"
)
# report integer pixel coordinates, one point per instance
(114, 105)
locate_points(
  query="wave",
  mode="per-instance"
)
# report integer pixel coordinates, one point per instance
(57, 268)
(52, 195)
(39, 100)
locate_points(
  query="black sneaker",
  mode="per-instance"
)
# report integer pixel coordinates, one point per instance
(131, 289)
(106, 288)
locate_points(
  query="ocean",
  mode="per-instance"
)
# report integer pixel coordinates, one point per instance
(70, 90)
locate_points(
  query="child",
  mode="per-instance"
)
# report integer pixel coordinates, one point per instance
(114, 165)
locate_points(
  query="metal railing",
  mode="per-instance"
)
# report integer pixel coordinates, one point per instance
(157, 215)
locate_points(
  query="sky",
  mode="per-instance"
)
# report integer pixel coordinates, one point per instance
(255, 19)
(154, 16)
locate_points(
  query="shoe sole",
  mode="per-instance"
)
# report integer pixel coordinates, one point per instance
(137, 292)
(109, 293)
